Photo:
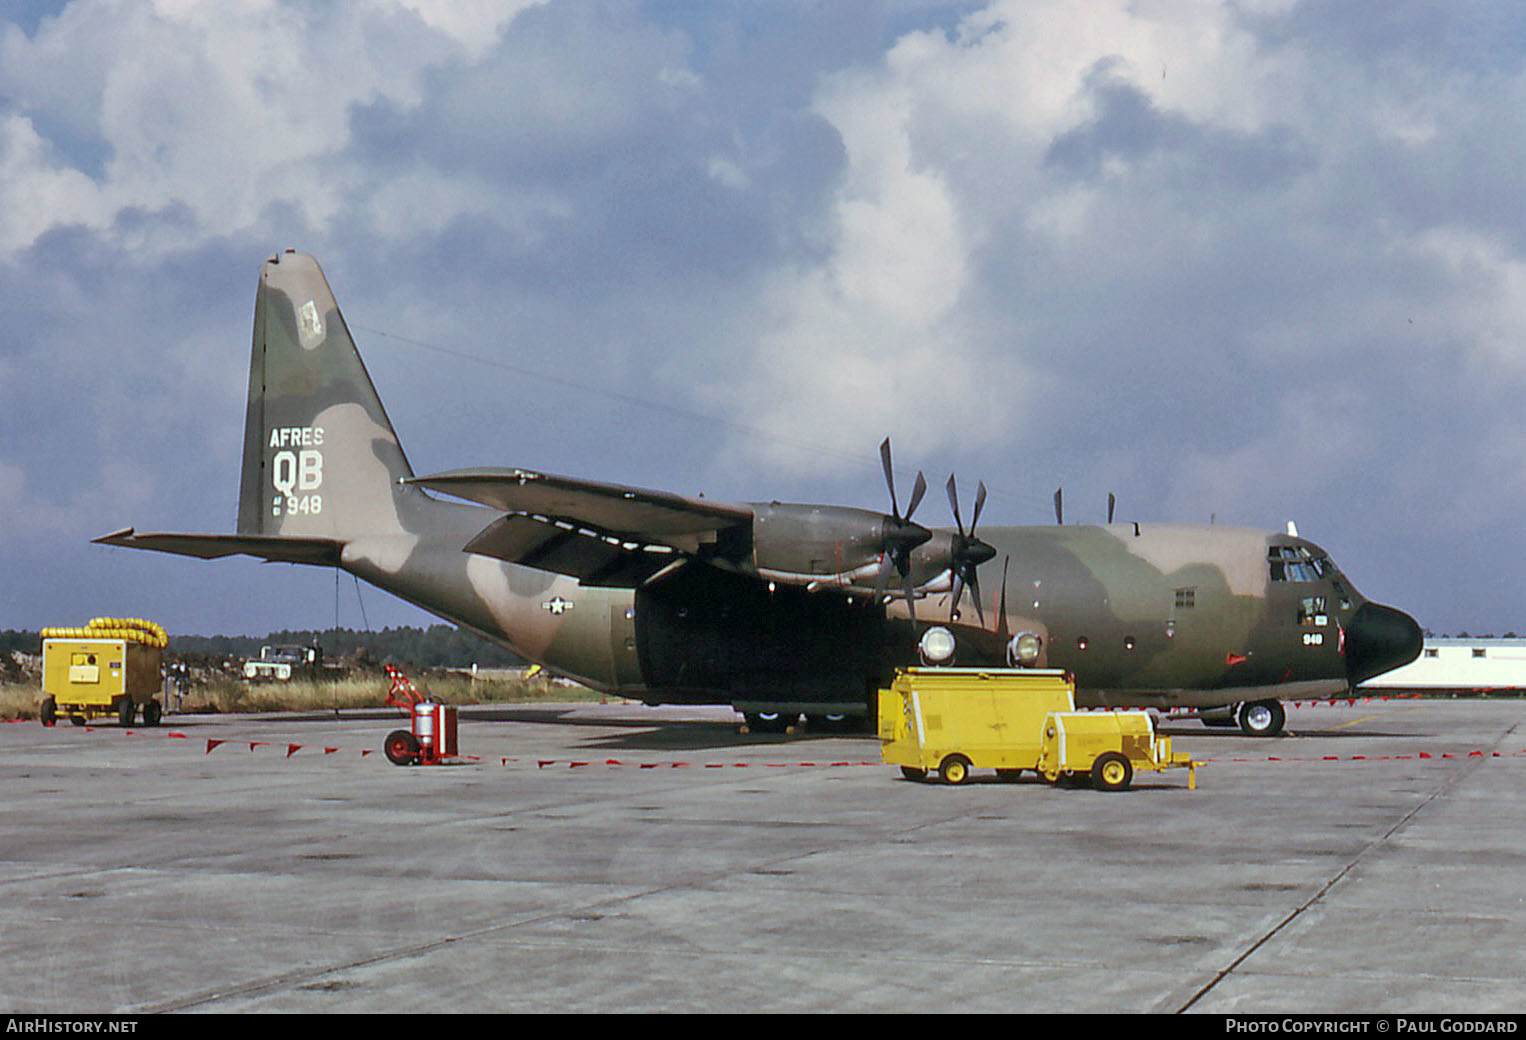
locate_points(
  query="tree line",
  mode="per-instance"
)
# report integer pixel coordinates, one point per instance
(438, 646)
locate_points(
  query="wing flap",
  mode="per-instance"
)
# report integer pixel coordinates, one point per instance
(273, 548)
(628, 512)
(593, 557)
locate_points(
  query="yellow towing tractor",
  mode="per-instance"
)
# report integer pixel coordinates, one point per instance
(108, 668)
(953, 720)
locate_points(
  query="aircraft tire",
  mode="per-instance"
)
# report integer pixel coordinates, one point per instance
(1262, 718)
(835, 723)
(1112, 772)
(769, 721)
(954, 770)
(401, 747)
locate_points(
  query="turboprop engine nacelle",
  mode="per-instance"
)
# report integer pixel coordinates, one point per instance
(808, 544)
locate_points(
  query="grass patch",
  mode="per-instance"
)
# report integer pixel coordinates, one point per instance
(230, 696)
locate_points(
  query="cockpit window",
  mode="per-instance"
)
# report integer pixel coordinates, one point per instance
(1296, 563)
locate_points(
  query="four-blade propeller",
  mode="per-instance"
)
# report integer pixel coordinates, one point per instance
(967, 552)
(901, 536)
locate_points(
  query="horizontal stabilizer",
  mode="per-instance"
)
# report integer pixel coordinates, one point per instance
(274, 548)
(629, 513)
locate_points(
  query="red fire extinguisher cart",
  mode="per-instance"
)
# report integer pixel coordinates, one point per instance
(432, 738)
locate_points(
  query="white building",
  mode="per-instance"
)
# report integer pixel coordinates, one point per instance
(1460, 664)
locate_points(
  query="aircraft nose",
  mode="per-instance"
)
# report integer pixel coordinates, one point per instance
(1379, 639)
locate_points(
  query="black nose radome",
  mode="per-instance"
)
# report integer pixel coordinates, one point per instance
(1378, 640)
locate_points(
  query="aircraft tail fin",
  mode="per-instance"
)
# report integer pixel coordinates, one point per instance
(321, 459)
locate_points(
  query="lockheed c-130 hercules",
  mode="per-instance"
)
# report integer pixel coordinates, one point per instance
(777, 609)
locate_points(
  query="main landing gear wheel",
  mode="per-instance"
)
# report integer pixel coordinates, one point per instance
(834, 723)
(401, 747)
(955, 769)
(1112, 772)
(1262, 718)
(770, 721)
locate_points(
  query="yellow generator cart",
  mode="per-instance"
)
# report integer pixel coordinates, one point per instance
(1010, 719)
(1107, 746)
(957, 719)
(108, 668)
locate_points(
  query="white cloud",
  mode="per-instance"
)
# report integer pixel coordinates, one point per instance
(213, 112)
(1487, 308)
(39, 193)
(476, 25)
(946, 141)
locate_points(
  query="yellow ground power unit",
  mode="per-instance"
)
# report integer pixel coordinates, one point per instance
(110, 667)
(953, 720)
(1107, 746)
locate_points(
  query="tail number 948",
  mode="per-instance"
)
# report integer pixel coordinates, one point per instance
(297, 476)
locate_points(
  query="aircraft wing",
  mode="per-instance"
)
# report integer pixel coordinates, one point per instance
(602, 534)
(272, 548)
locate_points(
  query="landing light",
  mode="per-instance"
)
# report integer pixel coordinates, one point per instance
(936, 646)
(1023, 649)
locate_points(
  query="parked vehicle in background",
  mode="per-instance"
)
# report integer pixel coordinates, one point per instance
(280, 663)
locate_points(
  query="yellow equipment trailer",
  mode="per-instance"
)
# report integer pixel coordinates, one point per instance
(1108, 746)
(110, 667)
(1010, 719)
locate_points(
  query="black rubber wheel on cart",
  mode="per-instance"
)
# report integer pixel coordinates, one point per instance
(401, 747)
(913, 773)
(48, 713)
(126, 711)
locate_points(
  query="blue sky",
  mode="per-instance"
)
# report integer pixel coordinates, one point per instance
(1256, 261)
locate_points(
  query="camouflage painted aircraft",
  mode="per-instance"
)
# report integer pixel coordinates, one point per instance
(777, 609)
